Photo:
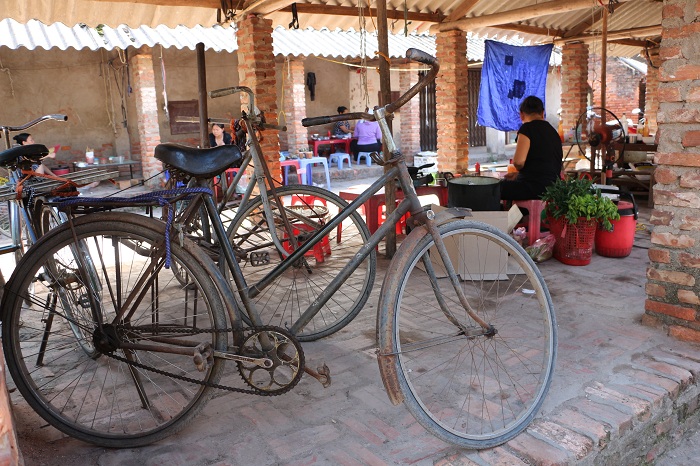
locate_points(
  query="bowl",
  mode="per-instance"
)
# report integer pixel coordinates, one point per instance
(648, 140)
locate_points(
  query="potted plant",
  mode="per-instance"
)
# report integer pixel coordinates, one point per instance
(574, 208)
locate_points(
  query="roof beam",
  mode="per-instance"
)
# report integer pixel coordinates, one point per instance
(308, 8)
(519, 14)
(216, 4)
(589, 22)
(461, 10)
(263, 7)
(538, 30)
(648, 31)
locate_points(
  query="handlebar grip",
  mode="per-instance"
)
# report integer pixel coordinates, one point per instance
(277, 127)
(59, 117)
(222, 92)
(420, 56)
(314, 121)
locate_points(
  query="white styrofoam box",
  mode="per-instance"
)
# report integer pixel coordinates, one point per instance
(471, 258)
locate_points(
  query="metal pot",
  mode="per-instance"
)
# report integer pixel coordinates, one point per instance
(479, 193)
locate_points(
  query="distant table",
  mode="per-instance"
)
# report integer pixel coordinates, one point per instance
(345, 142)
(77, 166)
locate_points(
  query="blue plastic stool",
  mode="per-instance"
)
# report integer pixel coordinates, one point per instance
(306, 165)
(368, 159)
(338, 158)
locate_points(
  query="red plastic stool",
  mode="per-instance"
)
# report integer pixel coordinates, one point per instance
(323, 247)
(534, 208)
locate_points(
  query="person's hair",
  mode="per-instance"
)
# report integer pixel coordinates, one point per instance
(341, 109)
(21, 138)
(218, 124)
(532, 105)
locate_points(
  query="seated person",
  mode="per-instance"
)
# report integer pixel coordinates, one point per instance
(341, 128)
(219, 137)
(369, 137)
(24, 139)
(538, 154)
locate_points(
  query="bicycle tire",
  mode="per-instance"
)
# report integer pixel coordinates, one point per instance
(129, 406)
(475, 391)
(283, 302)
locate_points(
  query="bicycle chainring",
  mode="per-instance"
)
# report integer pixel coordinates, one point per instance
(286, 354)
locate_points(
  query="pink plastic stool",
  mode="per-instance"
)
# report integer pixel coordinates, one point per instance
(534, 208)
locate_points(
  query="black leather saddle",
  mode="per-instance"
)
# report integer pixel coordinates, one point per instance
(32, 152)
(200, 163)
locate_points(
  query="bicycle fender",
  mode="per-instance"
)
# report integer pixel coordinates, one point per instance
(441, 216)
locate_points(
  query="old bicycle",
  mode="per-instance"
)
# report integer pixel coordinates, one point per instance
(466, 327)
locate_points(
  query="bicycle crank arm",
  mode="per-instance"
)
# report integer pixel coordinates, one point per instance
(262, 362)
(322, 374)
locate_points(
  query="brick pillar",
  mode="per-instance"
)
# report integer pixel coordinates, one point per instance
(295, 104)
(651, 98)
(673, 276)
(574, 83)
(256, 69)
(143, 83)
(410, 113)
(452, 102)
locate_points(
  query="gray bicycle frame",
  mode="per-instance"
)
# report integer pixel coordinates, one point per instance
(410, 203)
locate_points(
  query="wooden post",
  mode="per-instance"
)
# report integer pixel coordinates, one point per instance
(603, 88)
(202, 85)
(385, 98)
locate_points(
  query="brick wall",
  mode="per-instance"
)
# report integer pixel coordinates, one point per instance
(143, 84)
(622, 83)
(452, 102)
(295, 104)
(574, 83)
(673, 299)
(256, 69)
(410, 113)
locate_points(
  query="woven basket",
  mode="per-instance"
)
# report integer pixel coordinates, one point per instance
(574, 243)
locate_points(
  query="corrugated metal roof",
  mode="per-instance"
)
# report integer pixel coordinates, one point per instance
(36, 34)
(344, 15)
(286, 42)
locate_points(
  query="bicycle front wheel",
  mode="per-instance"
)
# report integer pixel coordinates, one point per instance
(473, 387)
(113, 381)
(308, 209)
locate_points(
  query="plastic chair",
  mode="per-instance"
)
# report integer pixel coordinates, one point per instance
(338, 158)
(306, 164)
(534, 208)
(368, 159)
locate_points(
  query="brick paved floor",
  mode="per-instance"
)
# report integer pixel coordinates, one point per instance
(621, 391)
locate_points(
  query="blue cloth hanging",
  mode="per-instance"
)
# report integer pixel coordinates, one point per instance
(509, 74)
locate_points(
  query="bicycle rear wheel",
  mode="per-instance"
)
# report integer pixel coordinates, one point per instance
(466, 386)
(75, 379)
(308, 209)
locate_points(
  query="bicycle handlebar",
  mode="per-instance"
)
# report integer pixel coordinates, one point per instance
(232, 90)
(411, 54)
(56, 116)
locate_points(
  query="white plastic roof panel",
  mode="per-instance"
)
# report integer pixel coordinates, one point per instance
(286, 42)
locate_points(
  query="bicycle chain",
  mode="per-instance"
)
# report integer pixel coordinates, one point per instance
(251, 330)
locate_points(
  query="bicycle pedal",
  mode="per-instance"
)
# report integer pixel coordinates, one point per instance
(259, 258)
(84, 301)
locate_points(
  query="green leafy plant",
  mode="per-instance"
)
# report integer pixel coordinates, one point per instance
(575, 198)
